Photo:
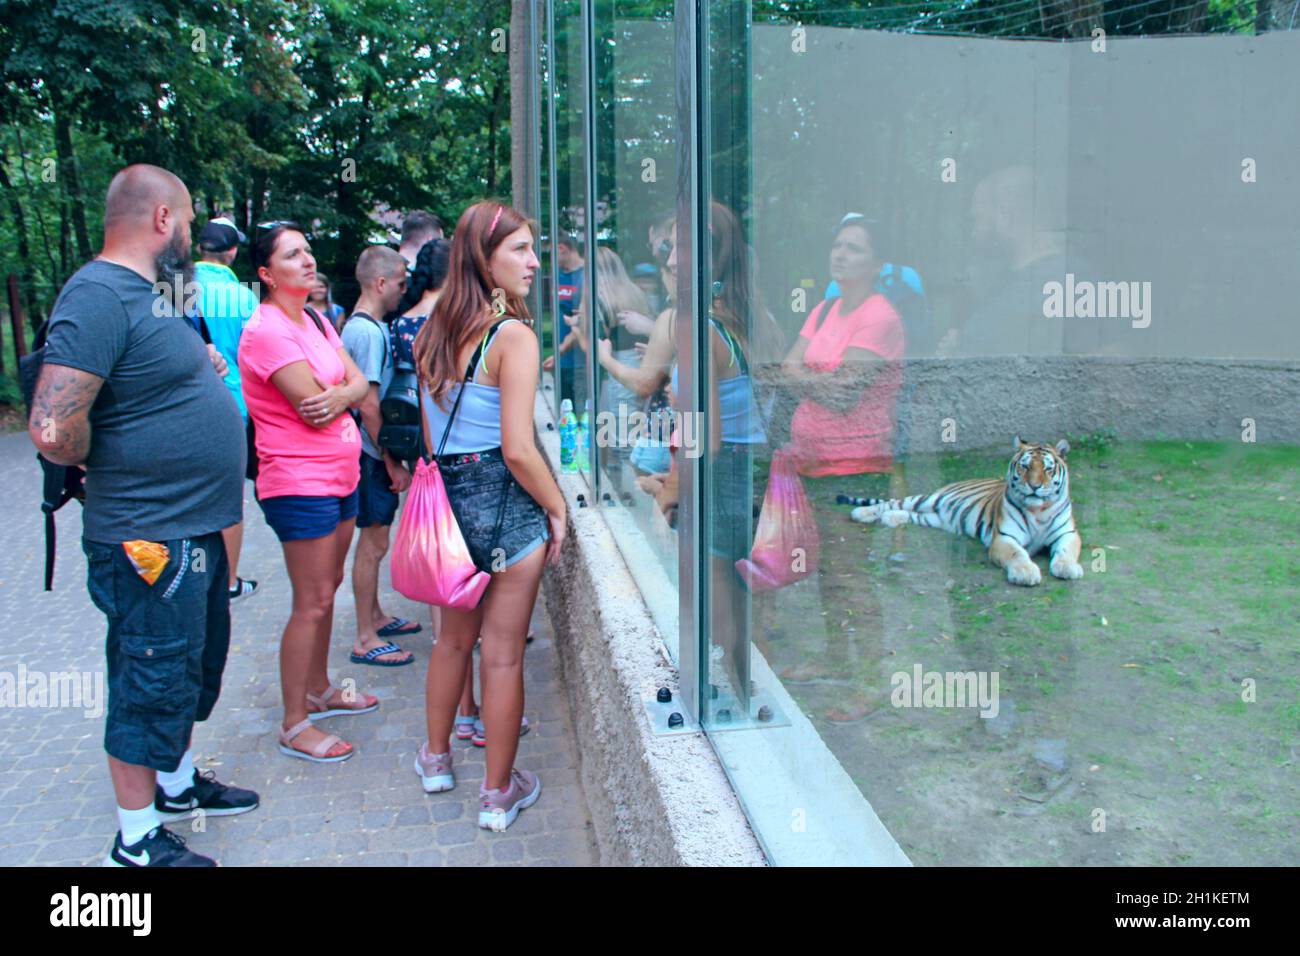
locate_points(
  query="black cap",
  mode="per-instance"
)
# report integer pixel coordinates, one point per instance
(220, 235)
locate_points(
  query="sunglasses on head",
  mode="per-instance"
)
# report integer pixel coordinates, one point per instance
(265, 227)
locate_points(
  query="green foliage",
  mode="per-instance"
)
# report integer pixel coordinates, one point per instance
(323, 111)
(1095, 442)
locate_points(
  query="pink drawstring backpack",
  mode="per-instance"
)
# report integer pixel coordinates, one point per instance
(431, 561)
(786, 543)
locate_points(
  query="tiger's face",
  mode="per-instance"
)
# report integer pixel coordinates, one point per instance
(1037, 473)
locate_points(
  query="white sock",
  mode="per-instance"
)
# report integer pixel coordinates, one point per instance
(136, 824)
(180, 779)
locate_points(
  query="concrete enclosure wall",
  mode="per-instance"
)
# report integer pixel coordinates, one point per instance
(988, 401)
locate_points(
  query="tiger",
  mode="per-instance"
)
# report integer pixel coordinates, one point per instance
(1014, 517)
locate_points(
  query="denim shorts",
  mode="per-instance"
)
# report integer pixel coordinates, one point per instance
(167, 645)
(731, 526)
(376, 501)
(299, 517)
(479, 488)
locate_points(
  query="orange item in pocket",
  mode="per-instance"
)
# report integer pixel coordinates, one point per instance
(147, 557)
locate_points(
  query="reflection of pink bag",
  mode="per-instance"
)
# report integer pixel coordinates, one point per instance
(786, 543)
(431, 562)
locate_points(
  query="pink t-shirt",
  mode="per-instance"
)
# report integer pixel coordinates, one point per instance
(293, 457)
(828, 442)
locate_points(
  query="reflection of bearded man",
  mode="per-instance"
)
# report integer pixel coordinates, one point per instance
(176, 270)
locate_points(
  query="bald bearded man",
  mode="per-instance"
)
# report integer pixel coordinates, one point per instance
(129, 390)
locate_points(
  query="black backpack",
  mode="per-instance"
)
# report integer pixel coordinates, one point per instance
(400, 434)
(250, 468)
(399, 407)
(61, 483)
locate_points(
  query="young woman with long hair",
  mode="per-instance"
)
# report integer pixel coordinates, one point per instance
(478, 362)
(322, 300)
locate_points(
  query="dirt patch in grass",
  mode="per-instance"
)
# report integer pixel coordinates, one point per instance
(1125, 733)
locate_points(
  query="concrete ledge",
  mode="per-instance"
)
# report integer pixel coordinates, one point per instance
(654, 800)
(1044, 397)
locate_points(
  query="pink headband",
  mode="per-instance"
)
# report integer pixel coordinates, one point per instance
(495, 219)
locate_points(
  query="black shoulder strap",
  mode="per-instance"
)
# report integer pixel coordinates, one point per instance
(315, 317)
(826, 307)
(731, 343)
(383, 358)
(460, 393)
(483, 344)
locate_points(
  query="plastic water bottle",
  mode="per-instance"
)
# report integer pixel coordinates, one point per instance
(568, 437)
(584, 439)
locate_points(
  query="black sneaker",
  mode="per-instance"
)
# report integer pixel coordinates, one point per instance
(206, 794)
(243, 588)
(160, 848)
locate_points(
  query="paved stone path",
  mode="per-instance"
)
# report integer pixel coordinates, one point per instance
(56, 803)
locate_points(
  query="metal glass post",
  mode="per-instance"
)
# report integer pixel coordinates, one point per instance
(533, 139)
(552, 224)
(589, 39)
(693, 472)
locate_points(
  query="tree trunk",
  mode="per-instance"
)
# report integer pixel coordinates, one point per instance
(493, 112)
(1190, 18)
(1276, 15)
(1069, 19)
(71, 182)
(522, 98)
(27, 279)
(55, 277)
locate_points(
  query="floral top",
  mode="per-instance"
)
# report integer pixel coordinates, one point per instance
(402, 335)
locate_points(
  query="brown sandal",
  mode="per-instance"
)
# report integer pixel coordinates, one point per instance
(317, 753)
(319, 700)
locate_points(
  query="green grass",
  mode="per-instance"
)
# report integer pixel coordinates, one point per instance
(1200, 589)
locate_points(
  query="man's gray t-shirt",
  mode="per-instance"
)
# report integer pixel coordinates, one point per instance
(367, 342)
(167, 441)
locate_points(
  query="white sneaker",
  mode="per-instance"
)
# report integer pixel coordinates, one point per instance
(434, 770)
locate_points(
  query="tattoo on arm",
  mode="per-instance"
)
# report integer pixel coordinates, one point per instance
(60, 422)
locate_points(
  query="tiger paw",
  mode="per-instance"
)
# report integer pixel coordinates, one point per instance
(867, 514)
(895, 519)
(1067, 570)
(1024, 572)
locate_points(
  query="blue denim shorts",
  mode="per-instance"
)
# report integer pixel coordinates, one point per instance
(731, 528)
(166, 648)
(480, 489)
(299, 517)
(376, 500)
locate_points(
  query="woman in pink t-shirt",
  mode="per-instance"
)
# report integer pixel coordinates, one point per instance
(849, 353)
(298, 384)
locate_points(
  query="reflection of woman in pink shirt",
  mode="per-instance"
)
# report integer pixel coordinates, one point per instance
(848, 353)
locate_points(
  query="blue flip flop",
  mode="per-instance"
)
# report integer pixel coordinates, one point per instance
(369, 657)
(399, 625)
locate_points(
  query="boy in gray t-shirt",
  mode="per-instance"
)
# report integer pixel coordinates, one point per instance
(381, 273)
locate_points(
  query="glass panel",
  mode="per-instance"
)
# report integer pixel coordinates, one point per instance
(570, 91)
(546, 291)
(961, 240)
(632, 418)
